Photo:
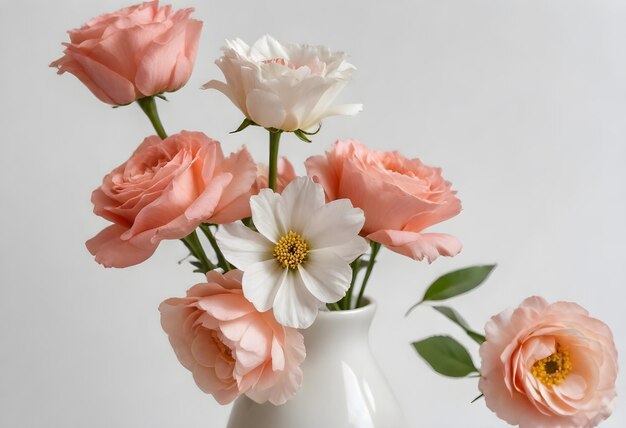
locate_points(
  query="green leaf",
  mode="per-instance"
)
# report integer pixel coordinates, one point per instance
(457, 282)
(300, 134)
(312, 133)
(197, 264)
(246, 122)
(456, 318)
(362, 264)
(454, 283)
(446, 356)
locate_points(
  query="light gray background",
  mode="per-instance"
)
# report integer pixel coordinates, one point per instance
(521, 102)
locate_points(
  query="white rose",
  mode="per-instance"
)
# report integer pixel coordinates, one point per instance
(284, 86)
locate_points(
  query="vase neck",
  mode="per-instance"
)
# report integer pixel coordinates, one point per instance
(341, 326)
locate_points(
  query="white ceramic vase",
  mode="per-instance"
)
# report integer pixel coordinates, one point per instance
(343, 386)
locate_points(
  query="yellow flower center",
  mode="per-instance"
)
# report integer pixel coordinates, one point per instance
(553, 369)
(291, 250)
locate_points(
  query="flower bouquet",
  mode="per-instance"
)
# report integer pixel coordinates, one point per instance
(279, 320)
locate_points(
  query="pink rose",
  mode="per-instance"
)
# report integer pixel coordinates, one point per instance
(164, 191)
(285, 175)
(133, 53)
(548, 366)
(229, 346)
(400, 197)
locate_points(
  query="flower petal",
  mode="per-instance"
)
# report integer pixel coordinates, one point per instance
(241, 246)
(333, 224)
(116, 87)
(267, 215)
(111, 251)
(418, 245)
(300, 199)
(261, 282)
(326, 276)
(265, 109)
(225, 307)
(350, 250)
(294, 305)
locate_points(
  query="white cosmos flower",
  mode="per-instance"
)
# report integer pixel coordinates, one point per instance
(299, 258)
(285, 86)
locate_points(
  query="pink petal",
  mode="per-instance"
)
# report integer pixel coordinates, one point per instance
(225, 307)
(111, 251)
(117, 88)
(159, 59)
(418, 245)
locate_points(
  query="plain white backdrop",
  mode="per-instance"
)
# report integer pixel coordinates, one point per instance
(521, 102)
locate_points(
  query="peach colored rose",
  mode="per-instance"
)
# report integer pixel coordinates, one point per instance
(400, 197)
(548, 365)
(229, 346)
(164, 191)
(133, 53)
(285, 175)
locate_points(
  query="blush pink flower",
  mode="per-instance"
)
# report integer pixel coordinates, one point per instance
(286, 86)
(229, 346)
(548, 365)
(164, 191)
(133, 53)
(285, 175)
(400, 197)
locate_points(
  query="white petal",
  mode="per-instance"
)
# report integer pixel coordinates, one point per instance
(323, 107)
(350, 250)
(326, 276)
(266, 48)
(344, 109)
(295, 306)
(242, 246)
(333, 224)
(300, 199)
(238, 45)
(267, 215)
(261, 281)
(265, 109)
(220, 86)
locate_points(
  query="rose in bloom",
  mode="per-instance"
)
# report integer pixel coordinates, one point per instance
(133, 53)
(548, 365)
(164, 191)
(400, 197)
(285, 86)
(300, 257)
(229, 346)
(285, 174)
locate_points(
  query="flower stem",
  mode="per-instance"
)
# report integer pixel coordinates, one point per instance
(347, 300)
(375, 249)
(192, 242)
(273, 173)
(333, 306)
(148, 105)
(221, 260)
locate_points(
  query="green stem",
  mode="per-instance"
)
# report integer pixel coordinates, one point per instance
(375, 249)
(148, 105)
(221, 260)
(347, 300)
(333, 306)
(273, 172)
(192, 242)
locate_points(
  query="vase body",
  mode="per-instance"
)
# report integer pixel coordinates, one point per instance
(342, 387)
